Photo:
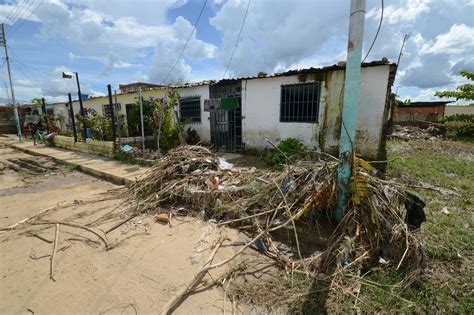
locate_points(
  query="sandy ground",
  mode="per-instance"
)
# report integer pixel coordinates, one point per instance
(149, 264)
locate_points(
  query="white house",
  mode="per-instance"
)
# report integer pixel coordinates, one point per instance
(304, 104)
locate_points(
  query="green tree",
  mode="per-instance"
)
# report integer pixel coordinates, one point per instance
(463, 91)
(37, 101)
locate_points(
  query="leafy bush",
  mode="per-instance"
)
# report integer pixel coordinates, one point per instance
(459, 125)
(290, 148)
(170, 129)
(192, 136)
(134, 122)
(100, 126)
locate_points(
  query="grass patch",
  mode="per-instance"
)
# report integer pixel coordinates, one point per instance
(445, 286)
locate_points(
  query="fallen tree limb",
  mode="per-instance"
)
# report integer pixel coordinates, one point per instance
(55, 248)
(181, 295)
(42, 238)
(116, 226)
(76, 225)
(25, 220)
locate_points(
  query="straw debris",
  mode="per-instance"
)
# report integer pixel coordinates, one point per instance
(299, 199)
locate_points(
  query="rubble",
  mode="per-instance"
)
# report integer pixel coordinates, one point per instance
(297, 200)
(407, 133)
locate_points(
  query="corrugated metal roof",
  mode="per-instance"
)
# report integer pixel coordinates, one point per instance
(340, 66)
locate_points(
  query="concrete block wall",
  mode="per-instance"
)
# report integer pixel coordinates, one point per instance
(90, 146)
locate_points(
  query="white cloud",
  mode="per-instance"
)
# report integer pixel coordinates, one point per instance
(402, 12)
(458, 40)
(166, 53)
(277, 34)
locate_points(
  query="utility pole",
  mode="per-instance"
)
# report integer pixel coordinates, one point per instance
(71, 111)
(112, 113)
(15, 110)
(119, 125)
(141, 117)
(401, 49)
(351, 104)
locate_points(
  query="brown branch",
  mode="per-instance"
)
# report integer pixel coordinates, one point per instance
(25, 220)
(181, 295)
(55, 248)
(76, 225)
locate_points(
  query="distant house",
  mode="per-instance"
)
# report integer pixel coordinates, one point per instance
(134, 87)
(459, 109)
(306, 104)
(417, 112)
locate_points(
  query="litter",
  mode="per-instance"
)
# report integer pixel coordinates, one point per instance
(224, 165)
(415, 133)
(127, 148)
(258, 201)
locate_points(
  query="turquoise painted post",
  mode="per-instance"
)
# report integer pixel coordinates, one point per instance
(351, 103)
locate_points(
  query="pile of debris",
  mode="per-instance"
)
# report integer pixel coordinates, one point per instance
(407, 133)
(259, 203)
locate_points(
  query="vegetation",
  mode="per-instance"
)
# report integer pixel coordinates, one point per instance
(463, 91)
(99, 126)
(399, 102)
(459, 126)
(446, 285)
(288, 149)
(170, 136)
(133, 118)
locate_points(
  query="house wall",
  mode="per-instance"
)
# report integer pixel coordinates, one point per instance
(410, 114)
(453, 110)
(204, 127)
(261, 109)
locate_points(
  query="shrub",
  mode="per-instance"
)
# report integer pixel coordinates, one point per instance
(290, 148)
(192, 136)
(459, 125)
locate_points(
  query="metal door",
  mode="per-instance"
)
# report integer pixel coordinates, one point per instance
(226, 129)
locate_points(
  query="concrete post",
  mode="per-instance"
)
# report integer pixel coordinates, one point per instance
(351, 103)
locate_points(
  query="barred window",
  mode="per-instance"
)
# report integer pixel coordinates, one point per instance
(106, 109)
(190, 107)
(300, 102)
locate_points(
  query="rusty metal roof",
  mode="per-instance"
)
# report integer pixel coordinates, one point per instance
(340, 66)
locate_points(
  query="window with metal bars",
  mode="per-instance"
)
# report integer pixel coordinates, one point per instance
(300, 102)
(106, 109)
(190, 108)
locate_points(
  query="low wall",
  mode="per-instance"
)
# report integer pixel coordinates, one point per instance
(90, 146)
(453, 110)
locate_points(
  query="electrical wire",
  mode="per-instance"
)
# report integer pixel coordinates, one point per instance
(13, 11)
(18, 12)
(238, 38)
(187, 42)
(376, 34)
(25, 19)
(25, 69)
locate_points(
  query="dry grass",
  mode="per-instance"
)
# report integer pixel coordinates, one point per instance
(298, 199)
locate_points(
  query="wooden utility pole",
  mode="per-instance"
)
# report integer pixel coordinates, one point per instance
(141, 117)
(351, 104)
(112, 114)
(7, 59)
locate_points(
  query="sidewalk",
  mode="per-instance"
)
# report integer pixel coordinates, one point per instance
(104, 168)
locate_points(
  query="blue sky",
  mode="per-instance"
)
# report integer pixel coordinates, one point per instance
(120, 41)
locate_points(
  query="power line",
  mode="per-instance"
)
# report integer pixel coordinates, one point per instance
(238, 38)
(21, 7)
(26, 18)
(376, 34)
(15, 7)
(187, 42)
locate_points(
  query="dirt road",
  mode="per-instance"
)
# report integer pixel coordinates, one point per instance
(148, 265)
